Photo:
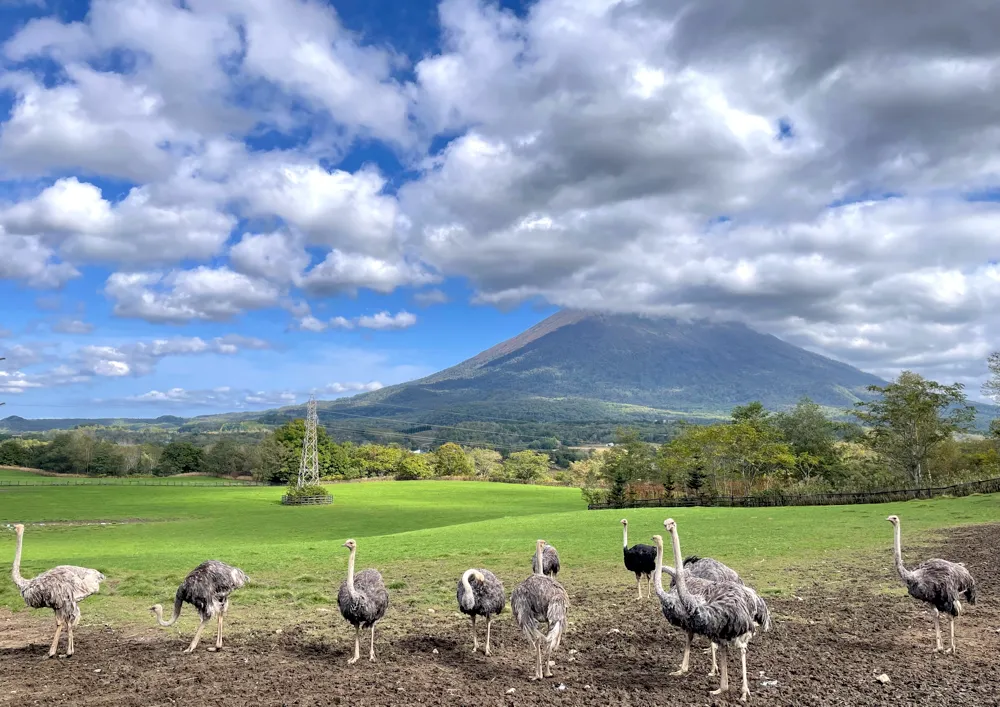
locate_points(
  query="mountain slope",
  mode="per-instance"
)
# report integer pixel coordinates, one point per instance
(657, 363)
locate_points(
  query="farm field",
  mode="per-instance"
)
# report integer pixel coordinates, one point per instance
(840, 615)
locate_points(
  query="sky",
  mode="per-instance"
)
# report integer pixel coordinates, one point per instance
(217, 205)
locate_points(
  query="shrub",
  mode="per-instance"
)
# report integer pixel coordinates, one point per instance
(296, 492)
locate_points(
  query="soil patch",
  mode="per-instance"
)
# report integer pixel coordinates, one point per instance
(826, 647)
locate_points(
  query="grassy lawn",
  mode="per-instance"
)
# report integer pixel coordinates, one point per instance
(9, 474)
(421, 535)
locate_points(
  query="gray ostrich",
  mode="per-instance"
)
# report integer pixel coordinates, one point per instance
(61, 589)
(363, 601)
(714, 571)
(207, 588)
(540, 598)
(938, 582)
(726, 613)
(639, 558)
(549, 562)
(480, 593)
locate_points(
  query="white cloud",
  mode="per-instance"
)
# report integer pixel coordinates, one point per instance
(349, 272)
(276, 256)
(73, 216)
(140, 358)
(429, 298)
(383, 321)
(342, 388)
(211, 294)
(72, 326)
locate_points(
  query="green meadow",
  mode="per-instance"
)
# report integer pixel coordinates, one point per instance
(421, 535)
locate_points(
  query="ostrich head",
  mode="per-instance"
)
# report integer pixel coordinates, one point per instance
(624, 521)
(658, 541)
(350, 544)
(893, 519)
(539, 544)
(478, 576)
(156, 608)
(670, 524)
(19, 529)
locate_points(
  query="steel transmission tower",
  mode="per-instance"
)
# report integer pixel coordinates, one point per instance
(309, 465)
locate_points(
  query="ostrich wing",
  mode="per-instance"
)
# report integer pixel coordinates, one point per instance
(726, 610)
(940, 582)
(62, 586)
(224, 578)
(369, 602)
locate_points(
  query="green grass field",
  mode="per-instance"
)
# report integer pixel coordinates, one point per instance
(421, 535)
(14, 475)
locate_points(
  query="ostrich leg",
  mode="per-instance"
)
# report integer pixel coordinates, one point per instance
(649, 585)
(724, 680)
(475, 641)
(937, 632)
(69, 638)
(548, 660)
(222, 614)
(715, 666)
(371, 651)
(537, 645)
(197, 637)
(685, 662)
(953, 650)
(743, 660)
(357, 646)
(55, 640)
(489, 625)
(638, 584)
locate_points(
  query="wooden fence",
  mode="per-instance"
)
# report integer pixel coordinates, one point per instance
(776, 498)
(126, 482)
(306, 500)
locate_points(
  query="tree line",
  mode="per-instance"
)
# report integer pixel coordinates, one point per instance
(912, 432)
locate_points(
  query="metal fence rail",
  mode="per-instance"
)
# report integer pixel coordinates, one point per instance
(819, 499)
(127, 482)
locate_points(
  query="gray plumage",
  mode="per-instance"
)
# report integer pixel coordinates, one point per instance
(480, 593)
(640, 559)
(207, 588)
(363, 601)
(536, 600)
(550, 562)
(61, 589)
(940, 583)
(727, 613)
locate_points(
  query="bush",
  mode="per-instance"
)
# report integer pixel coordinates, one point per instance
(296, 492)
(412, 467)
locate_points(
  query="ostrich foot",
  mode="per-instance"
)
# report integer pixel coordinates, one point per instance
(719, 691)
(187, 650)
(213, 649)
(745, 695)
(371, 657)
(487, 651)
(679, 673)
(713, 672)
(353, 660)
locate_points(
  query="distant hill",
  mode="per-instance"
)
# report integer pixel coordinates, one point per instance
(16, 424)
(572, 377)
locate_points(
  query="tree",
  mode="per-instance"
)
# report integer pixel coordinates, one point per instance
(526, 465)
(753, 413)
(180, 457)
(991, 388)
(910, 417)
(452, 461)
(413, 466)
(267, 460)
(812, 437)
(227, 458)
(485, 462)
(630, 460)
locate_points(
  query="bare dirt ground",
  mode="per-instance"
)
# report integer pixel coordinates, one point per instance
(825, 648)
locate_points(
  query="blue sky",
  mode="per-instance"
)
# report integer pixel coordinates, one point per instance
(219, 205)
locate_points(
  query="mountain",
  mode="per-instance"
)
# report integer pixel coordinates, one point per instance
(584, 371)
(17, 424)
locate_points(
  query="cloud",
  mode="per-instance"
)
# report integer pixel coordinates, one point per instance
(349, 272)
(275, 256)
(140, 358)
(230, 398)
(27, 259)
(74, 217)
(429, 298)
(383, 321)
(210, 294)
(340, 388)
(72, 326)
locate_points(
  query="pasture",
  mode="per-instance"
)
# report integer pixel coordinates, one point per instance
(838, 609)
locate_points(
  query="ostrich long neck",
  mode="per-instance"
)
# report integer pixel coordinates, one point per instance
(538, 557)
(15, 571)
(682, 592)
(468, 600)
(350, 572)
(158, 610)
(898, 553)
(658, 572)
(625, 538)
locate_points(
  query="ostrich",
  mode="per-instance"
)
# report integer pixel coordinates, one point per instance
(714, 571)
(549, 562)
(480, 593)
(724, 612)
(540, 598)
(363, 601)
(639, 558)
(207, 588)
(938, 582)
(61, 589)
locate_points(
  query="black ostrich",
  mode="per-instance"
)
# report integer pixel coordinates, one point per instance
(640, 559)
